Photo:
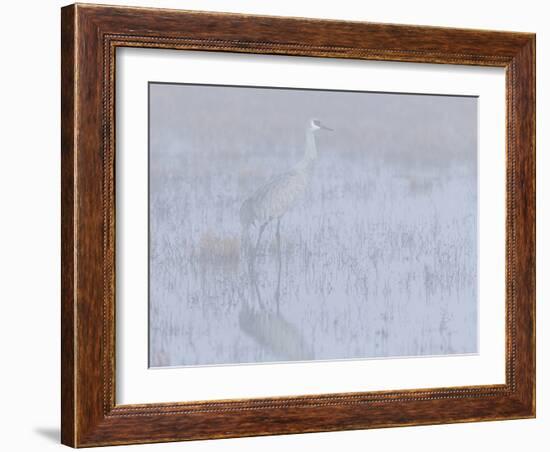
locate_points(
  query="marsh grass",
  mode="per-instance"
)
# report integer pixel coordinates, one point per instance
(375, 262)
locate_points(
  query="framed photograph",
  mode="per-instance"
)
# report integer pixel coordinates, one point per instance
(280, 225)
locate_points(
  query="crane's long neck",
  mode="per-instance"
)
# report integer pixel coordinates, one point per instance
(310, 153)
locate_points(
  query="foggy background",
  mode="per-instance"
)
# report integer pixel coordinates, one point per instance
(379, 257)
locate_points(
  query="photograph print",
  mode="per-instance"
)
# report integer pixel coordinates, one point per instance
(294, 225)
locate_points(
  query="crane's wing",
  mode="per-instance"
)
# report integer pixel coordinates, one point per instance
(274, 198)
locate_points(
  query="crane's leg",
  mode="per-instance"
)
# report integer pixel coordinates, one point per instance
(278, 291)
(258, 293)
(252, 267)
(253, 253)
(278, 235)
(260, 232)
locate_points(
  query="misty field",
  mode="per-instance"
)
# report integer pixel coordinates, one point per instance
(378, 258)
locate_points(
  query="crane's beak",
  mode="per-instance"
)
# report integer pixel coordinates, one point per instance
(326, 128)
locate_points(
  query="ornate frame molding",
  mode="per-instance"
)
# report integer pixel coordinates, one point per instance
(90, 36)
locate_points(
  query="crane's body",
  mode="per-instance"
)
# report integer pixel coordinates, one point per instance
(272, 200)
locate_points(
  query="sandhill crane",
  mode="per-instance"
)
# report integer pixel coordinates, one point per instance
(271, 201)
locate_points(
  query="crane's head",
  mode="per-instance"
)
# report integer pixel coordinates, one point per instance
(315, 125)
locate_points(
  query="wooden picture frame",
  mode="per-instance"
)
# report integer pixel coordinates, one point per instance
(90, 35)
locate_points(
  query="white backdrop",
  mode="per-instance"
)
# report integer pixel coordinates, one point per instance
(30, 228)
